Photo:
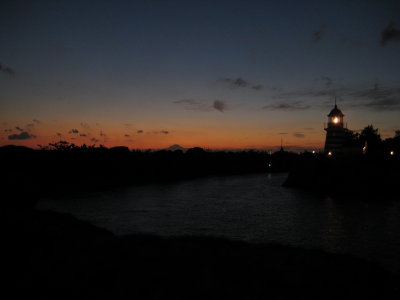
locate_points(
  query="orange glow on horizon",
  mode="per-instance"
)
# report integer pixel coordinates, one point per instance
(208, 136)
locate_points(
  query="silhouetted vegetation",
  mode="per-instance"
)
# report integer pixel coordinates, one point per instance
(372, 140)
(372, 174)
(62, 168)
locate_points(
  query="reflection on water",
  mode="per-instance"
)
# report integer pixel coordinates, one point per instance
(251, 207)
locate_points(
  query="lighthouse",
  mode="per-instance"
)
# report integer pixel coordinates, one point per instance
(335, 133)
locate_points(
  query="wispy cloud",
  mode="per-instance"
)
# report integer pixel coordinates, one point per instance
(326, 80)
(195, 105)
(298, 135)
(6, 70)
(318, 34)
(164, 131)
(220, 105)
(139, 131)
(235, 82)
(257, 87)
(378, 98)
(21, 136)
(85, 125)
(19, 128)
(239, 82)
(287, 106)
(390, 34)
(73, 131)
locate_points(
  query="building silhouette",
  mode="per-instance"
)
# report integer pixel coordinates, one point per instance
(335, 133)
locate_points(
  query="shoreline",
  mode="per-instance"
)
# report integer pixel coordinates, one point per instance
(80, 259)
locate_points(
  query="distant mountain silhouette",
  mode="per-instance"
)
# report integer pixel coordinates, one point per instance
(14, 148)
(175, 147)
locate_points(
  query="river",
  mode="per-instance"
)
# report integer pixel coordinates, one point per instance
(247, 207)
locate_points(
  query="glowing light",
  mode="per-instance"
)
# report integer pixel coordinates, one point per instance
(391, 152)
(329, 153)
(313, 152)
(269, 165)
(335, 120)
(364, 149)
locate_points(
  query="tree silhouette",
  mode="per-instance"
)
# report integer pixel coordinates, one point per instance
(352, 139)
(370, 137)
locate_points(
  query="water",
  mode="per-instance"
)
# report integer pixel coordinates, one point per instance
(249, 207)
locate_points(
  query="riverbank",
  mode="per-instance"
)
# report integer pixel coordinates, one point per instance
(54, 255)
(31, 174)
(371, 178)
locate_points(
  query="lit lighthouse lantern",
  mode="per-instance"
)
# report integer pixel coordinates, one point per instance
(335, 132)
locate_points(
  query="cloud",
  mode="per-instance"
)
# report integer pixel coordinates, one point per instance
(30, 125)
(19, 128)
(377, 98)
(58, 134)
(102, 133)
(286, 106)
(83, 134)
(7, 70)
(21, 136)
(299, 135)
(85, 125)
(220, 105)
(314, 93)
(139, 131)
(164, 131)
(127, 124)
(318, 34)
(8, 130)
(126, 135)
(326, 80)
(195, 105)
(283, 133)
(235, 82)
(94, 140)
(36, 121)
(74, 131)
(239, 82)
(390, 34)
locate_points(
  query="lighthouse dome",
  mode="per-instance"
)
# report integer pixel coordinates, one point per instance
(335, 112)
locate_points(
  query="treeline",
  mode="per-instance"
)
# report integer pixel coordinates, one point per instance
(63, 168)
(369, 142)
(373, 174)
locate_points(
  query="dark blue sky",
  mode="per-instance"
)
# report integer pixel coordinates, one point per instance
(211, 73)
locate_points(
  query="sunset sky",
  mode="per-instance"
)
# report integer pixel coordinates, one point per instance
(214, 74)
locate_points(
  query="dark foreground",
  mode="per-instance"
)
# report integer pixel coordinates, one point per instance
(55, 256)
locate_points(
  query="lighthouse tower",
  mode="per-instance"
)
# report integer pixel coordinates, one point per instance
(335, 132)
